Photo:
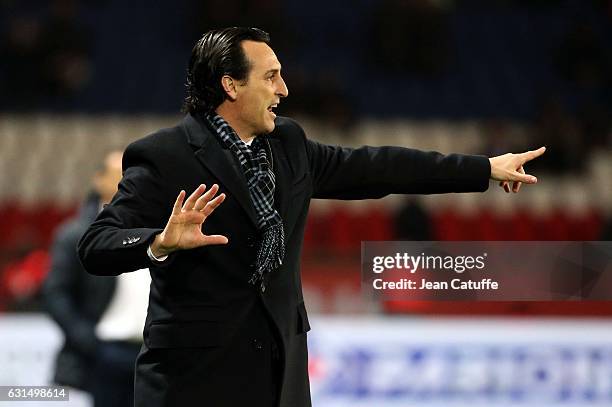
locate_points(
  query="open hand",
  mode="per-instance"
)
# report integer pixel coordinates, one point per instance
(184, 227)
(509, 168)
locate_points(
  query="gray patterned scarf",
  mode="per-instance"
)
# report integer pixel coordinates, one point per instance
(260, 181)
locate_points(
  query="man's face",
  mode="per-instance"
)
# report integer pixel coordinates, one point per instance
(261, 92)
(106, 180)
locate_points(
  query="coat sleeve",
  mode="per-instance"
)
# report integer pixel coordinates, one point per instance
(374, 172)
(117, 241)
(58, 290)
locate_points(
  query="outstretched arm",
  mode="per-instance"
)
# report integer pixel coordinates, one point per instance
(373, 172)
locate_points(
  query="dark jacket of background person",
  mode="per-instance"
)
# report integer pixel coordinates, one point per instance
(210, 334)
(75, 299)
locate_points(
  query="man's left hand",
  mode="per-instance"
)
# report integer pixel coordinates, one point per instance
(509, 168)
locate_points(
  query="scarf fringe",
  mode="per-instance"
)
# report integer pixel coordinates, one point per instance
(270, 254)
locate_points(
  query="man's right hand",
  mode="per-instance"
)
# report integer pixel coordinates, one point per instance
(184, 228)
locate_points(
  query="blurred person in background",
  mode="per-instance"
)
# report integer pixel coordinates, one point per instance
(101, 318)
(227, 322)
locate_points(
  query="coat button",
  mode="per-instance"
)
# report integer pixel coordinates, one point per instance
(258, 345)
(251, 241)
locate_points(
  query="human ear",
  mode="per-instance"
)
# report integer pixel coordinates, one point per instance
(229, 87)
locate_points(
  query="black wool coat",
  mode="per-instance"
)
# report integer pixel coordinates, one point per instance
(209, 334)
(75, 300)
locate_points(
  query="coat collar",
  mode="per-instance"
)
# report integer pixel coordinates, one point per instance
(222, 164)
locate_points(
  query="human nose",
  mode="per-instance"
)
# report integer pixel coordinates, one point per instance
(282, 89)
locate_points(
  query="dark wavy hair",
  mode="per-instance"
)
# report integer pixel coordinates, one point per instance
(217, 53)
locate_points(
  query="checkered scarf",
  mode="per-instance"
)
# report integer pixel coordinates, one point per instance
(260, 181)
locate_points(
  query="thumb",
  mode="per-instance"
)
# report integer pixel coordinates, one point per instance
(215, 239)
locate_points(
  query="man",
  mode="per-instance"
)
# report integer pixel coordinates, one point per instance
(227, 324)
(101, 318)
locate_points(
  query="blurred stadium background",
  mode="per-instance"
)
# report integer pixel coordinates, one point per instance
(78, 77)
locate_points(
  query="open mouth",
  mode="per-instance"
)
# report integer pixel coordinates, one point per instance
(272, 107)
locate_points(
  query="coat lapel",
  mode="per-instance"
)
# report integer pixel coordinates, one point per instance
(282, 172)
(220, 162)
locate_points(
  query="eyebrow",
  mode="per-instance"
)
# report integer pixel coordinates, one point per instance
(275, 70)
